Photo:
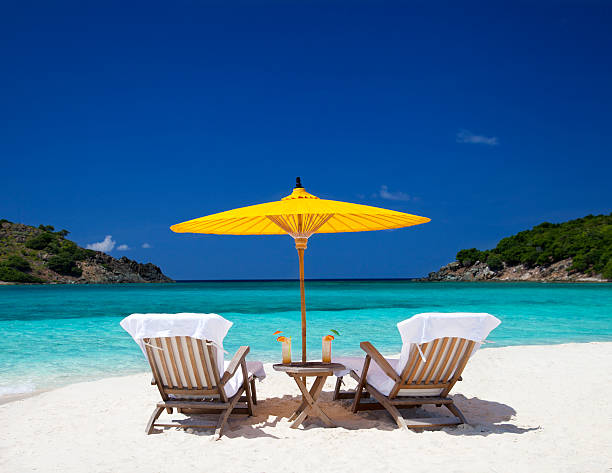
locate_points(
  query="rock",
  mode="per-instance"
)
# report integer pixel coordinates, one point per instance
(96, 267)
(479, 271)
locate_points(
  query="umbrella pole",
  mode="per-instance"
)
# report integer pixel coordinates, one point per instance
(300, 245)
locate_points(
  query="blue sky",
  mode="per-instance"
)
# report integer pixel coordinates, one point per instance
(122, 119)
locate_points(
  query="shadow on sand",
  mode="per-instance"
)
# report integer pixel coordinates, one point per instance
(485, 417)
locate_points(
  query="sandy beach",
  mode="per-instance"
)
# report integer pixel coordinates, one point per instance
(531, 408)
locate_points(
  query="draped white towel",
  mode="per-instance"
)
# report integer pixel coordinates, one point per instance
(423, 328)
(211, 327)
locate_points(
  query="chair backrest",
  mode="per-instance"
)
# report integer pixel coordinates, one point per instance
(184, 366)
(437, 370)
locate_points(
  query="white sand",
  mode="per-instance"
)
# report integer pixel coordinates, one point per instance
(533, 408)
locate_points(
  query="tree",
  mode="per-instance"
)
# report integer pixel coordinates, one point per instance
(587, 241)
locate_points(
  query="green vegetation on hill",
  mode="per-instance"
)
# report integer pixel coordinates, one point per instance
(41, 255)
(65, 252)
(588, 241)
(16, 269)
(15, 258)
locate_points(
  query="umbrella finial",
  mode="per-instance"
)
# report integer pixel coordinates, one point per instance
(298, 183)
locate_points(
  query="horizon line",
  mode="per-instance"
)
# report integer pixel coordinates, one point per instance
(293, 280)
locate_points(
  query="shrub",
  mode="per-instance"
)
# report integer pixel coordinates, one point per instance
(529, 256)
(495, 262)
(469, 257)
(40, 241)
(66, 255)
(607, 271)
(12, 275)
(17, 263)
(64, 264)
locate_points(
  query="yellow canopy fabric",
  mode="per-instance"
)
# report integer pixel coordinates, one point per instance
(300, 215)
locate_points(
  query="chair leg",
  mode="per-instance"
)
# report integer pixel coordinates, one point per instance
(247, 388)
(225, 416)
(455, 411)
(357, 398)
(362, 382)
(253, 391)
(337, 388)
(391, 409)
(151, 424)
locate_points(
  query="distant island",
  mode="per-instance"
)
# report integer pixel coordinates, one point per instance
(575, 251)
(45, 256)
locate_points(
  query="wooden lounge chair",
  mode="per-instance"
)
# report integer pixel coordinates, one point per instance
(426, 378)
(186, 372)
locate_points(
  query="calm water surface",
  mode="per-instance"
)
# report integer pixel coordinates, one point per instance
(55, 335)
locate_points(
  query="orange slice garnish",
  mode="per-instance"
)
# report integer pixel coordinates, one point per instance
(277, 332)
(328, 338)
(281, 339)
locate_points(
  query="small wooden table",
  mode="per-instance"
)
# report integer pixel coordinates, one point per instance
(299, 371)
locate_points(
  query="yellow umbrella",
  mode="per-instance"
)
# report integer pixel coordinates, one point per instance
(300, 215)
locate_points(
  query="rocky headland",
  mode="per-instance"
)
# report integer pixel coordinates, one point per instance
(575, 251)
(480, 271)
(41, 255)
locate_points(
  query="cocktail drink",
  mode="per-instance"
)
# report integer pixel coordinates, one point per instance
(326, 352)
(286, 350)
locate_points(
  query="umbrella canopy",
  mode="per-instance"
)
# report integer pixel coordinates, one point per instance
(300, 215)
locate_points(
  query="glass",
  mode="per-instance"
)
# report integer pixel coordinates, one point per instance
(326, 355)
(287, 351)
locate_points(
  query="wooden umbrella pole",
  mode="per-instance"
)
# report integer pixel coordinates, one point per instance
(303, 300)
(300, 244)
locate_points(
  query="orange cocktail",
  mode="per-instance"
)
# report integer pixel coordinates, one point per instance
(326, 351)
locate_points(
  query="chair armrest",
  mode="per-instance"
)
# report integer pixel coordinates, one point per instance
(239, 358)
(380, 360)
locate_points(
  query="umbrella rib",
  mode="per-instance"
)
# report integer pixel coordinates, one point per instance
(317, 221)
(307, 221)
(331, 226)
(255, 223)
(268, 222)
(218, 224)
(292, 223)
(204, 226)
(351, 220)
(321, 221)
(372, 218)
(229, 226)
(279, 221)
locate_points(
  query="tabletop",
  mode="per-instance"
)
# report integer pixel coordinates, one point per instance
(308, 368)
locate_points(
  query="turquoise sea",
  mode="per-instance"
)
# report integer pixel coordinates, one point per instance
(56, 335)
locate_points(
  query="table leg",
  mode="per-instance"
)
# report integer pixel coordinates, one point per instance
(304, 402)
(299, 409)
(310, 402)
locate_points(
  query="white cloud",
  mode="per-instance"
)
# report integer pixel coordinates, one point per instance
(105, 245)
(123, 247)
(385, 193)
(146, 245)
(466, 136)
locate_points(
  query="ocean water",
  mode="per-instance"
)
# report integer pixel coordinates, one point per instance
(56, 335)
